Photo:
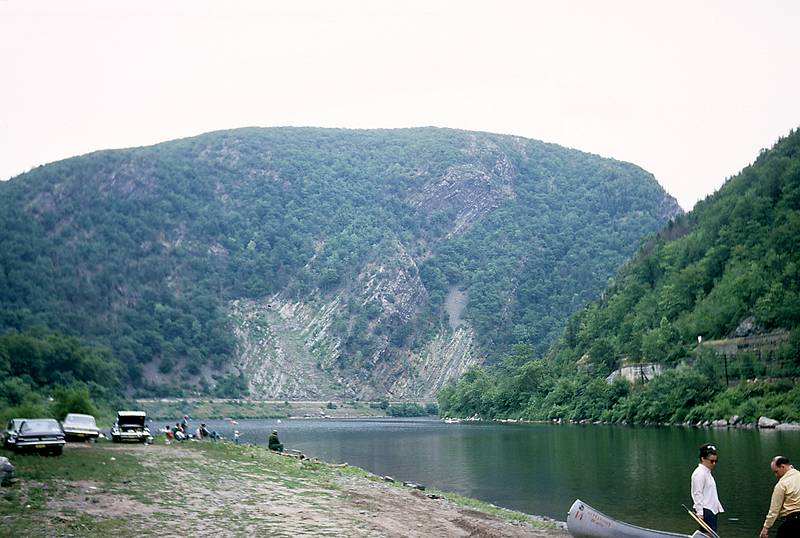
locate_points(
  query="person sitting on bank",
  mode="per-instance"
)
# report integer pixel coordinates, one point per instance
(785, 500)
(274, 443)
(202, 431)
(704, 488)
(178, 433)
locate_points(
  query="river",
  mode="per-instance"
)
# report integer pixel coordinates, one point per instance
(639, 475)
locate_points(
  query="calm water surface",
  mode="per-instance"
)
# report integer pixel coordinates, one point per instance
(640, 475)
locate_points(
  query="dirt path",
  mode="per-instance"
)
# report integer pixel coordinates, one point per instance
(259, 494)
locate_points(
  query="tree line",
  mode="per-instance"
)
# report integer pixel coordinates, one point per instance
(49, 374)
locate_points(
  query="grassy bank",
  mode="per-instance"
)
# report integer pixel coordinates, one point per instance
(221, 488)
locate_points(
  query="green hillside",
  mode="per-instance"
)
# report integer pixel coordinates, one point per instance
(145, 250)
(730, 267)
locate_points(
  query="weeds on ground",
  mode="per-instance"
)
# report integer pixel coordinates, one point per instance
(39, 478)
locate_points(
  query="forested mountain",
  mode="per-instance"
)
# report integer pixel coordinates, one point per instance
(729, 268)
(302, 262)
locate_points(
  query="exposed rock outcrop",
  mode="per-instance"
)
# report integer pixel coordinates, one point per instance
(286, 349)
(765, 422)
(788, 426)
(470, 191)
(292, 350)
(447, 357)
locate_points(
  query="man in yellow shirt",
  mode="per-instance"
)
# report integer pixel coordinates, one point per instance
(785, 499)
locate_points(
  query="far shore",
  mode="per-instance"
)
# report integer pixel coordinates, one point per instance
(768, 425)
(231, 408)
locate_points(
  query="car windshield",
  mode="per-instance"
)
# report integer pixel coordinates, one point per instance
(80, 420)
(44, 425)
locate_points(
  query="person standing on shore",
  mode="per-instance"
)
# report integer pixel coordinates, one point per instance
(704, 488)
(785, 501)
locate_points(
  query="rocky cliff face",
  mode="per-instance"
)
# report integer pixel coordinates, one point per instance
(470, 191)
(285, 348)
(293, 350)
(289, 351)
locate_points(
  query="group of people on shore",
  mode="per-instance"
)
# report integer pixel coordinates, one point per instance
(785, 502)
(180, 432)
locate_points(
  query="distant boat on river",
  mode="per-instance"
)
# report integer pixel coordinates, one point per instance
(583, 521)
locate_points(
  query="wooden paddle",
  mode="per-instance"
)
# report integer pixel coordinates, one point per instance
(702, 523)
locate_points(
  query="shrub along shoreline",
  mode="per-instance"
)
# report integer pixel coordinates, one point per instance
(686, 394)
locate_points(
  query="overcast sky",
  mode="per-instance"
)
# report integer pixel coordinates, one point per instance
(688, 90)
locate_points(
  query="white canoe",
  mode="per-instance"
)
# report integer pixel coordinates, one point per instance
(583, 521)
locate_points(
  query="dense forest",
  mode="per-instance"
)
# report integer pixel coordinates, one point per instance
(44, 373)
(142, 251)
(731, 266)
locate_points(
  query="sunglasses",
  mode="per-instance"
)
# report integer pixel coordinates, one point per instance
(712, 461)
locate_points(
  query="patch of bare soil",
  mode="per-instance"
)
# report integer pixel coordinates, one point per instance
(400, 512)
(89, 497)
(252, 498)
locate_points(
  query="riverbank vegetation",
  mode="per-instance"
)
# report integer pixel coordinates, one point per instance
(48, 374)
(730, 267)
(683, 394)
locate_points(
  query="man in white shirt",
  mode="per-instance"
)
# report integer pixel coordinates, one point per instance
(704, 488)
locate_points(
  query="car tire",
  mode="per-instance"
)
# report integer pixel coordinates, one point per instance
(57, 451)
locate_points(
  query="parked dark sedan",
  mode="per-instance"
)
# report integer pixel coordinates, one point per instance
(40, 435)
